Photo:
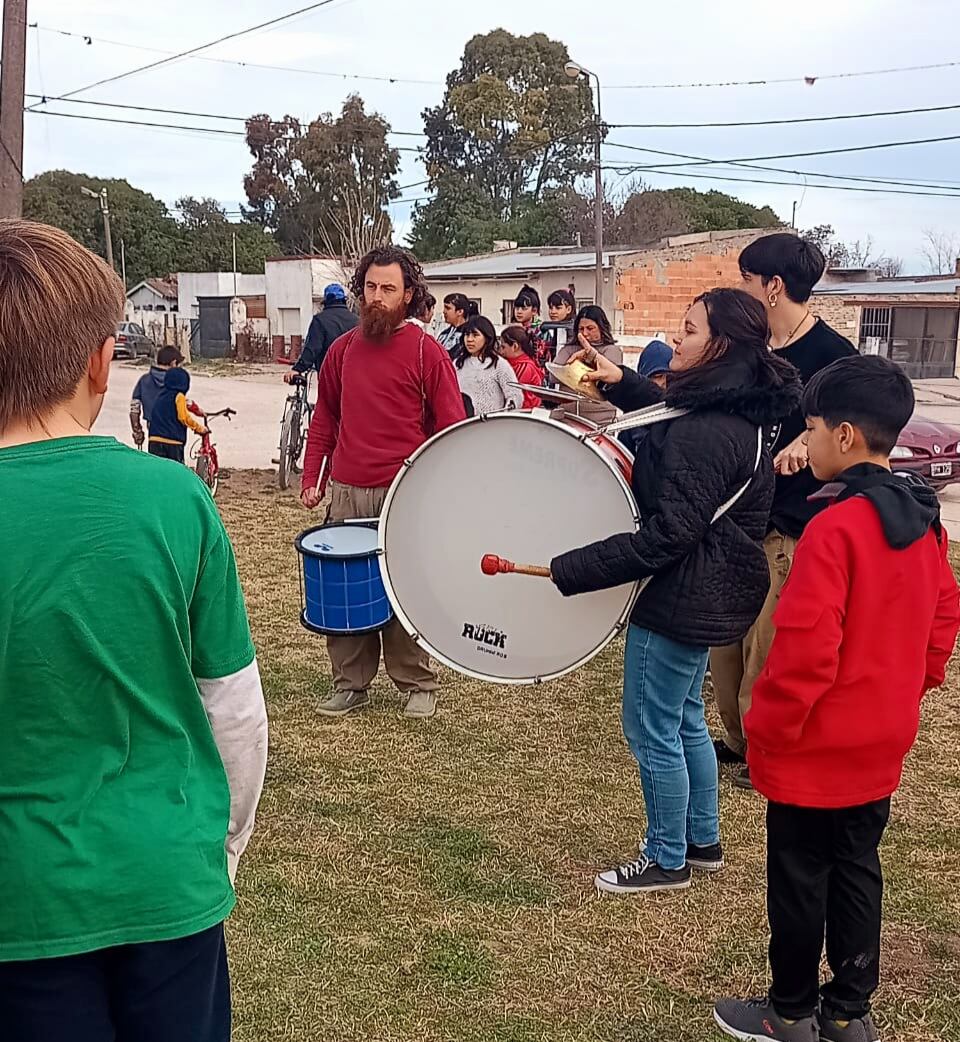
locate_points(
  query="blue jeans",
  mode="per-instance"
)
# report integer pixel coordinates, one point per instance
(665, 728)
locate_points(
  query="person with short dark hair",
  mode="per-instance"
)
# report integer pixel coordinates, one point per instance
(526, 312)
(780, 271)
(457, 308)
(516, 348)
(147, 391)
(332, 321)
(591, 329)
(385, 388)
(484, 377)
(864, 629)
(703, 483)
(134, 736)
(425, 317)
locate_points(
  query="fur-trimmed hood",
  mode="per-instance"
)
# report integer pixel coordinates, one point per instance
(762, 390)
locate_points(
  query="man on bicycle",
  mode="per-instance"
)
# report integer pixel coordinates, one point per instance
(334, 320)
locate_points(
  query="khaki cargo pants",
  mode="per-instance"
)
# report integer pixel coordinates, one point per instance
(356, 660)
(735, 668)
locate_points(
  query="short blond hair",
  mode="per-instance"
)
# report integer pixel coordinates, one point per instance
(58, 304)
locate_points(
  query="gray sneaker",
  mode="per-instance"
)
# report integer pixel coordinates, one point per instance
(861, 1030)
(757, 1021)
(421, 705)
(342, 702)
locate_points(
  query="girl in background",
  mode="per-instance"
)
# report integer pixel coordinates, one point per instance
(484, 377)
(516, 348)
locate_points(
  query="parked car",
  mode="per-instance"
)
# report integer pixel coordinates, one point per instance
(133, 342)
(931, 449)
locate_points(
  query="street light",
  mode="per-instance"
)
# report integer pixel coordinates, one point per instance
(101, 196)
(575, 71)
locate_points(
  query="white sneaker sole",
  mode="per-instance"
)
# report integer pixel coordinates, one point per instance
(733, 1033)
(707, 866)
(615, 888)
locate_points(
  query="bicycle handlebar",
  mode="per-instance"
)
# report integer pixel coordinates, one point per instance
(222, 412)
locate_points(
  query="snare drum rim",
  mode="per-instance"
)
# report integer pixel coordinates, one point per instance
(402, 617)
(305, 552)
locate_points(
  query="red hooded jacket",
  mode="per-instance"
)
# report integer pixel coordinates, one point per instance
(863, 630)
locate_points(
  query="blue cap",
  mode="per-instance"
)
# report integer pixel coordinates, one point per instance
(655, 359)
(334, 292)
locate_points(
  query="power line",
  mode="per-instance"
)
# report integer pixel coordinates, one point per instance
(899, 182)
(789, 184)
(808, 80)
(787, 155)
(195, 50)
(782, 122)
(217, 131)
(43, 100)
(243, 64)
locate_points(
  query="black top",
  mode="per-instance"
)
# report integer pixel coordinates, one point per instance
(709, 579)
(809, 354)
(335, 320)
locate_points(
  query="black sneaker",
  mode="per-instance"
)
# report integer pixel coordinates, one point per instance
(757, 1021)
(862, 1029)
(741, 780)
(725, 755)
(642, 876)
(706, 859)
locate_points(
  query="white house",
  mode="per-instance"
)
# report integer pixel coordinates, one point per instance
(154, 295)
(194, 284)
(294, 291)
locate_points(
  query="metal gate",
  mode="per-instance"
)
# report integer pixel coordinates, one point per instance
(214, 338)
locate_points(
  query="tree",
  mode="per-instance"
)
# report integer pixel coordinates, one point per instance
(152, 239)
(941, 251)
(511, 129)
(324, 183)
(208, 239)
(856, 254)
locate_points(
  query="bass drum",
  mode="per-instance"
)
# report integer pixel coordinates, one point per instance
(523, 487)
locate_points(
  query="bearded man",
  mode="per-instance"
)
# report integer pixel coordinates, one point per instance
(385, 387)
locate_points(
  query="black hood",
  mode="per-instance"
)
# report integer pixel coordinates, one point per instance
(907, 505)
(763, 390)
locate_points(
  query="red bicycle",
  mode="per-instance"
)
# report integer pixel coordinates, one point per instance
(204, 451)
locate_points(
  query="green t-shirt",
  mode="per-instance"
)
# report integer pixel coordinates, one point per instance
(118, 587)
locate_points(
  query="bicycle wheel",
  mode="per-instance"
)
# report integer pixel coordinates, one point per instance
(212, 481)
(289, 437)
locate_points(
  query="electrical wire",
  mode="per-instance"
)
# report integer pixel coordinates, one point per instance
(196, 50)
(783, 122)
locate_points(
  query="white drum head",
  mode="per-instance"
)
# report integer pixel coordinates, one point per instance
(523, 488)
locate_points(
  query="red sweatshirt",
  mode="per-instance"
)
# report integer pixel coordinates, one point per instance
(862, 632)
(370, 406)
(528, 372)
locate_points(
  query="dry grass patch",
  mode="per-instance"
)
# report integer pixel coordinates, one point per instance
(434, 881)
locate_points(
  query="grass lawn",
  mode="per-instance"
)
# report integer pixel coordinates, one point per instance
(434, 881)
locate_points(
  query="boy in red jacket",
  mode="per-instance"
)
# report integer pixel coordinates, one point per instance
(865, 626)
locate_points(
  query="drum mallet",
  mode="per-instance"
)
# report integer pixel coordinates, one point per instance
(323, 470)
(493, 565)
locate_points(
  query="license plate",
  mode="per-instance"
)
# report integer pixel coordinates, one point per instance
(941, 470)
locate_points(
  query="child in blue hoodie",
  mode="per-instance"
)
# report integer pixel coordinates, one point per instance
(148, 389)
(171, 417)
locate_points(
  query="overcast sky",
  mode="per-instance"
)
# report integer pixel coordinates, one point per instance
(682, 41)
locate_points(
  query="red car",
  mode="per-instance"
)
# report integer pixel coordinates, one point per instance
(931, 449)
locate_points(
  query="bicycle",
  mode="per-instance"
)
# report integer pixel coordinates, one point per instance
(293, 429)
(204, 451)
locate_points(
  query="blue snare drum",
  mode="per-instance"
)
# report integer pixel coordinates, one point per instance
(341, 587)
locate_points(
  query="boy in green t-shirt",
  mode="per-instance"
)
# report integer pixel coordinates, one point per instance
(133, 733)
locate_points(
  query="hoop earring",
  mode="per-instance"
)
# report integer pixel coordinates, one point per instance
(773, 300)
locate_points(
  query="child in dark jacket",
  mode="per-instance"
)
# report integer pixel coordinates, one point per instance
(865, 626)
(148, 389)
(171, 417)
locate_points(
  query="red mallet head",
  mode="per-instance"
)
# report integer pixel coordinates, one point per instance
(493, 565)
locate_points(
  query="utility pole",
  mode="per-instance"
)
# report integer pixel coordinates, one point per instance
(234, 263)
(575, 70)
(793, 219)
(12, 80)
(101, 197)
(123, 264)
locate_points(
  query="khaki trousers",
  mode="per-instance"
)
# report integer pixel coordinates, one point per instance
(735, 668)
(356, 660)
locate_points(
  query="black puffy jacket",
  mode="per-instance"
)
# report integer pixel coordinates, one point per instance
(709, 580)
(333, 321)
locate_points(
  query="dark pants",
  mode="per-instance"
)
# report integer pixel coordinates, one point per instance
(165, 451)
(823, 876)
(168, 991)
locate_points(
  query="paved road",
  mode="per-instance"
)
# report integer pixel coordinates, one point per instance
(248, 441)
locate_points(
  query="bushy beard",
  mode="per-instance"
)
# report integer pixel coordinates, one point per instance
(377, 323)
